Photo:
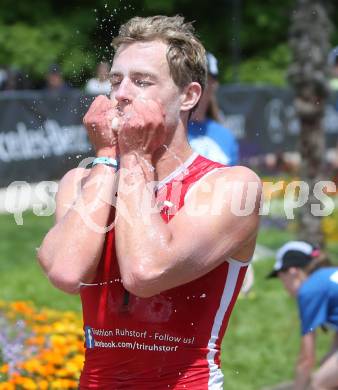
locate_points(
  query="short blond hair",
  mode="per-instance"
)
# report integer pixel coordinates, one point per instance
(185, 55)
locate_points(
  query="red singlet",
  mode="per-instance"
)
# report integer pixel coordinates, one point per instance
(171, 340)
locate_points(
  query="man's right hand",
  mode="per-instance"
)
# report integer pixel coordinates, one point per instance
(98, 122)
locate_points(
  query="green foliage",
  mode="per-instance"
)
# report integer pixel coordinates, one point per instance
(268, 69)
(161, 6)
(36, 48)
(264, 25)
(78, 35)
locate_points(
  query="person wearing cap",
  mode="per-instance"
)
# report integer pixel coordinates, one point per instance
(306, 274)
(54, 79)
(206, 134)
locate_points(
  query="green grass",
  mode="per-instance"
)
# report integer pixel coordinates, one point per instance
(259, 347)
(261, 343)
(21, 277)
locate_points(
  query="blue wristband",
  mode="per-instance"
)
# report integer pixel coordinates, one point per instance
(110, 162)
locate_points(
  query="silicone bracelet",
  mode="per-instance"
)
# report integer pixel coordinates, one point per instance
(111, 162)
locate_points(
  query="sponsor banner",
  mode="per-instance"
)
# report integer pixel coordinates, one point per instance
(264, 120)
(42, 136)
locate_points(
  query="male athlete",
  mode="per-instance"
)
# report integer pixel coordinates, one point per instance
(158, 250)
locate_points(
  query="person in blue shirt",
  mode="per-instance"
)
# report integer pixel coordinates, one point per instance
(206, 134)
(305, 273)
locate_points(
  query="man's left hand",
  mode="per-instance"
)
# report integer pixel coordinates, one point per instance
(142, 127)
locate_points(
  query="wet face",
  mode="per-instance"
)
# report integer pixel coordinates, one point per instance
(141, 70)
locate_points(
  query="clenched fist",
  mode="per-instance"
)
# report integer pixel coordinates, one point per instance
(98, 122)
(141, 128)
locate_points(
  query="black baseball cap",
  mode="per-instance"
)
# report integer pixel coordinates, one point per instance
(293, 254)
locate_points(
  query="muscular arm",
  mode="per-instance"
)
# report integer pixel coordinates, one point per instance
(71, 250)
(305, 362)
(154, 256)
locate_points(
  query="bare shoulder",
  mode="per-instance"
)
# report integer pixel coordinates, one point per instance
(222, 209)
(230, 178)
(238, 173)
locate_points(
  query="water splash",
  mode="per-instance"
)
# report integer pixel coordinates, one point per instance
(174, 155)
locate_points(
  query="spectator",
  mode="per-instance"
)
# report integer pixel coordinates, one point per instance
(54, 79)
(14, 80)
(205, 132)
(100, 85)
(305, 273)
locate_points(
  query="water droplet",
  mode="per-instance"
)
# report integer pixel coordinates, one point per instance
(203, 295)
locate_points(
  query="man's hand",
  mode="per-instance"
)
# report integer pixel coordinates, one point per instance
(98, 122)
(142, 127)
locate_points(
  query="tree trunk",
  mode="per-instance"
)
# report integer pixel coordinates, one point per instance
(308, 73)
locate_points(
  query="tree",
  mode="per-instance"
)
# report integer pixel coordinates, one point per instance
(77, 35)
(309, 42)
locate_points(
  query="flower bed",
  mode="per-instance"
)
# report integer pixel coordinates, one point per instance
(39, 349)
